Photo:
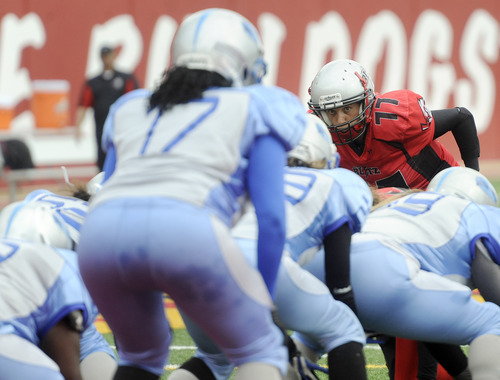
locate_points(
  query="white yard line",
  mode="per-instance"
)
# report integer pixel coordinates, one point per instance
(179, 348)
(173, 348)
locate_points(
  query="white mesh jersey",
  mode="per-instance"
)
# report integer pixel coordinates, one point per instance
(197, 151)
(71, 210)
(39, 286)
(319, 201)
(440, 231)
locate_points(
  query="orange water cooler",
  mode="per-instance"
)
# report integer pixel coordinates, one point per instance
(50, 103)
(7, 105)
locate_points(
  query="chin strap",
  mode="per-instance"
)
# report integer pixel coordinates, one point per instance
(66, 176)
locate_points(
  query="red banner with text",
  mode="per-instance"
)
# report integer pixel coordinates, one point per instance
(445, 52)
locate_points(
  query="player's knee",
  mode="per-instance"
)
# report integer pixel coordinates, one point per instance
(98, 365)
(484, 352)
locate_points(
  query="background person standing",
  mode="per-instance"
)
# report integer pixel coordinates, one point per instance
(100, 93)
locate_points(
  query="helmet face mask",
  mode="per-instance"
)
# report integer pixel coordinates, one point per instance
(349, 131)
(222, 41)
(338, 84)
(464, 183)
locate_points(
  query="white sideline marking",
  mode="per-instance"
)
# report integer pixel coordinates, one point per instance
(372, 346)
(182, 348)
(174, 348)
(171, 367)
(178, 348)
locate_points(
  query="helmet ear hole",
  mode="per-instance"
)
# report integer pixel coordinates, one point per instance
(294, 162)
(319, 164)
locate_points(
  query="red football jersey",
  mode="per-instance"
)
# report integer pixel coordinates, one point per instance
(399, 148)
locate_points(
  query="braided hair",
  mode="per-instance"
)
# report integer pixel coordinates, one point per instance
(181, 85)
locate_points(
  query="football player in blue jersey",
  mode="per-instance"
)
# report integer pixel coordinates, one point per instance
(52, 219)
(417, 259)
(182, 163)
(46, 308)
(324, 207)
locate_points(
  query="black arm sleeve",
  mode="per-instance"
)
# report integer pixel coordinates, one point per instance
(461, 123)
(337, 247)
(486, 274)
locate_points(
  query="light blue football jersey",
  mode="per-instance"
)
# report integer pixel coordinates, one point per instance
(40, 285)
(71, 210)
(440, 231)
(319, 201)
(178, 149)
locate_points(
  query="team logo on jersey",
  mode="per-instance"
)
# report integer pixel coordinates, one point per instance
(364, 171)
(427, 114)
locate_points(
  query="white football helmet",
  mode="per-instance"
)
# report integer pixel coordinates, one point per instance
(223, 41)
(340, 83)
(465, 183)
(36, 222)
(315, 149)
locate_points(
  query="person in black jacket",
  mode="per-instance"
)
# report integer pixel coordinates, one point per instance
(100, 93)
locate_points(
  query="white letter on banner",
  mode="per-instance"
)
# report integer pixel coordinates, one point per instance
(117, 31)
(273, 32)
(330, 34)
(17, 34)
(432, 39)
(384, 31)
(479, 43)
(159, 50)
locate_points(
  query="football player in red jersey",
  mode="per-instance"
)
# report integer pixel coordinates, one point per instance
(388, 139)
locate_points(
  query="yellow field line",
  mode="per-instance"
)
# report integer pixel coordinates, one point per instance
(176, 321)
(171, 312)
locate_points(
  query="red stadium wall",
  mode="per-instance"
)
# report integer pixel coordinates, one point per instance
(445, 50)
